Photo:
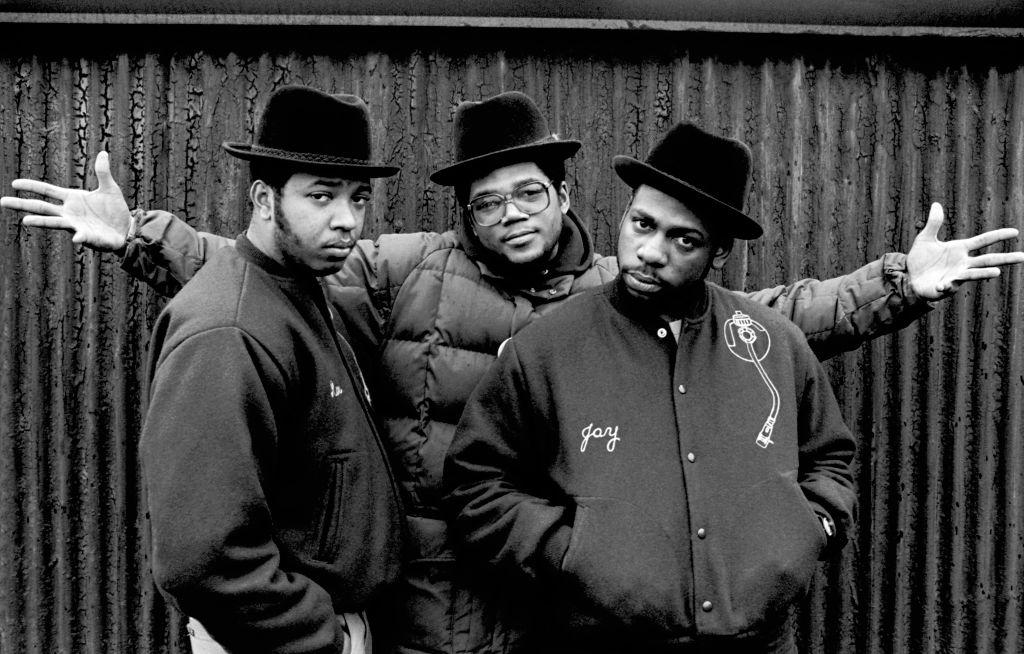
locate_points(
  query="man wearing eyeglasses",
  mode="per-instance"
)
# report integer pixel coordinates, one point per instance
(437, 307)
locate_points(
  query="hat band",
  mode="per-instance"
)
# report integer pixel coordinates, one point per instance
(308, 156)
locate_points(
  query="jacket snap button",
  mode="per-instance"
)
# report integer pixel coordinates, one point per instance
(662, 333)
(682, 389)
(706, 606)
(701, 533)
(690, 457)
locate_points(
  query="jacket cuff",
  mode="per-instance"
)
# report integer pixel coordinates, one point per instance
(553, 548)
(897, 277)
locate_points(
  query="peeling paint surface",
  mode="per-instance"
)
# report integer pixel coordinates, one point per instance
(852, 139)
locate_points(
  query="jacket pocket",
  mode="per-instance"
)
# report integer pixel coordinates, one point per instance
(342, 478)
(621, 568)
(772, 543)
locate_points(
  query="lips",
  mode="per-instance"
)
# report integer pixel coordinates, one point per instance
(340, 247)
(518, 236)
(642, 282)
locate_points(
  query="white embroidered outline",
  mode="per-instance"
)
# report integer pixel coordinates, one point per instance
(746, 329)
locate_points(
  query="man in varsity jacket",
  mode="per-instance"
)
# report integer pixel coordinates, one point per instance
(275, 515)
(663, 457)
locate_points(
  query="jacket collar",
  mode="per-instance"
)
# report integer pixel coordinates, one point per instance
(260, 259)
(650, 314)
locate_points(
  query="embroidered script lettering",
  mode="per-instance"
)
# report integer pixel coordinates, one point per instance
(611, 433)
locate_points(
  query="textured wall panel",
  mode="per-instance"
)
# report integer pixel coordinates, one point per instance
(852, 138)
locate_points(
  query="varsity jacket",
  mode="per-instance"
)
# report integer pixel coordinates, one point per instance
(661, 493)
(271, 500)
(431, 310)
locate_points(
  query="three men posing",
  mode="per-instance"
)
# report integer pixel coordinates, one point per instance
(441, 304)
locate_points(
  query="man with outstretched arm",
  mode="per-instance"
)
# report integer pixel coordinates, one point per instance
(451, 299)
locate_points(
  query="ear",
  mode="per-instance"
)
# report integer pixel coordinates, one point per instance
(563, 197)
(722, 250)
(262, 197)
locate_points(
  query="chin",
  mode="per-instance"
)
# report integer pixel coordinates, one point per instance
(520, 256)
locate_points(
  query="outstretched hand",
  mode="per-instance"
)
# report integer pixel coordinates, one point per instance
(938, 268)
(99, 219)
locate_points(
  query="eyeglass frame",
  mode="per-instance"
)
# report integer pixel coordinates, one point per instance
(506, 198)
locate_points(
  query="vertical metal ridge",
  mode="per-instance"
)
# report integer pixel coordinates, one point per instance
(851, 139)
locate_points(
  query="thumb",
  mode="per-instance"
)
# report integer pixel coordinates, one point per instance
(106, 181)
(935, 219)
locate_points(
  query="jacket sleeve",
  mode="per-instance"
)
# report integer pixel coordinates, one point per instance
(826, 453)
(496, 493)
(209, 425)
(843, 313)
(166, 251)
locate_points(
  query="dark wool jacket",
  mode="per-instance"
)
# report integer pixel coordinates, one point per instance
(431, 312)
(271, 501)
(660, 492)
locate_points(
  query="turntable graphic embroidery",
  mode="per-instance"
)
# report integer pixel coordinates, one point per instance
(748, 340)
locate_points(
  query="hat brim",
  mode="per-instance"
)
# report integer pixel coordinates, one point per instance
(634, 173)
(369, 170)
(467, 168)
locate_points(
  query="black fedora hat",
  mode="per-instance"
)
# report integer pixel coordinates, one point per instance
(307, 127)
(499, 131)
(701, 169)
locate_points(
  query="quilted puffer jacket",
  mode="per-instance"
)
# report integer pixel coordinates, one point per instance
(432, 310)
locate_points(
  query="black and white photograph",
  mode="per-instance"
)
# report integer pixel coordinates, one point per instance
(511, 327)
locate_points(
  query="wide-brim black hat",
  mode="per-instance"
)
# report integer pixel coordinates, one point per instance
(307, 127)
(709, 173)
(500, 131)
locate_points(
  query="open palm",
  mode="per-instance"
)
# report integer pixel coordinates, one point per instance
(98, 219)
(938, 268)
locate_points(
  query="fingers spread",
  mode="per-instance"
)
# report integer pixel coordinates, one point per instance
(32, 206)
(40, 188)
(989, 238)
(47, 222)
(106, 181)
(973, 274)
(996, 259)
(935, 219)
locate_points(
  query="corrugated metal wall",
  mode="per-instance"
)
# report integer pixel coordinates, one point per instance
(852, 139)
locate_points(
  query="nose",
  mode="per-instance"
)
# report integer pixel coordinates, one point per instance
(512, 213)
(650, 252)
(343, 218)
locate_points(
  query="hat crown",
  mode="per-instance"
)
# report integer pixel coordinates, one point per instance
(716, 166)
(507, 120)
(303, 120)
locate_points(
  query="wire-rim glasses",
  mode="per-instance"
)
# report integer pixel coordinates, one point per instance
(530, 198)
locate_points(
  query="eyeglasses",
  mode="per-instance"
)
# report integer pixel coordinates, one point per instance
(530, 198)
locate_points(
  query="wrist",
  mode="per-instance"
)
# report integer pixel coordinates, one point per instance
(129, 232)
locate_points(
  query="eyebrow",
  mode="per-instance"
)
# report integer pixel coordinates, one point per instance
(490, 190)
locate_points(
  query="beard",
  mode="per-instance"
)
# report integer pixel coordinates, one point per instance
(284, 238)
